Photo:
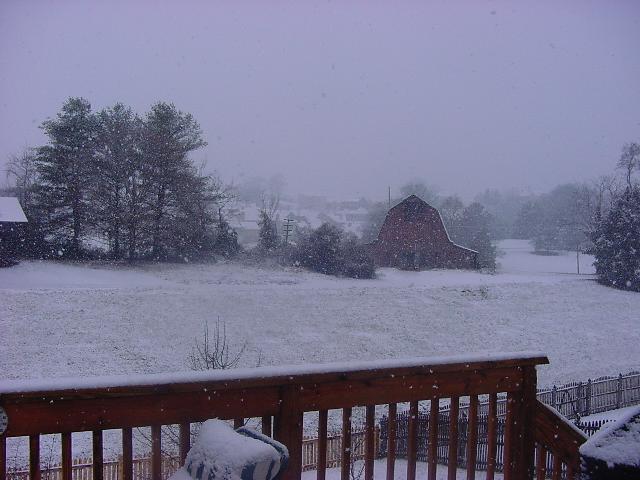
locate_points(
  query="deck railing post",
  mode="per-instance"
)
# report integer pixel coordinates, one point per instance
(288, 430)
(524, 429)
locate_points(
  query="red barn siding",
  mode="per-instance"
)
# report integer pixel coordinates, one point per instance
(414, 237)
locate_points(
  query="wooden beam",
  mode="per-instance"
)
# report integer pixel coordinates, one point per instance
(412, 441)
(288, 430)
(392, 441)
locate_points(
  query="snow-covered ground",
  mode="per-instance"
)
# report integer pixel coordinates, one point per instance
(71, 319)
(400, 471)
(610, 415)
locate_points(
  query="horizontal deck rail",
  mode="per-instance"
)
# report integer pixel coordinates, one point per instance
(279, 398)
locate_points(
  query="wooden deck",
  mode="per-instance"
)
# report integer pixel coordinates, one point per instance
(280, 397)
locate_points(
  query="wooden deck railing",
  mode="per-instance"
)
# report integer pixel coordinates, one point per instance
(557, 445)
(280, 397)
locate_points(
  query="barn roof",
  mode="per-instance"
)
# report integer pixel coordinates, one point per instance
(11, 211)
(412, 199)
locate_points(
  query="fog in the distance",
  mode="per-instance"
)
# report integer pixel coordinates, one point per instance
(344, 100)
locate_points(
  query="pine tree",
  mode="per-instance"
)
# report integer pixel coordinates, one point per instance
(355, 260)
(169, 135)
(226, 241)
(375, 218)
(617, 243)
(116, 152)
(476, 234)
(268, 236)
(191, 229)
(66, 171)
(451, 210)
(320, 251)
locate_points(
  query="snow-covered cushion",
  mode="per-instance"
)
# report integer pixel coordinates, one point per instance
(221, 453)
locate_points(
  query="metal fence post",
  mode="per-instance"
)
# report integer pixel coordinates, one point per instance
(587, 398)
(554, 397)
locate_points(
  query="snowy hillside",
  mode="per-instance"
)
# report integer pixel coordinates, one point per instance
(65, 319)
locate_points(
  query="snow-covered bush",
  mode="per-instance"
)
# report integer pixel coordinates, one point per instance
(327, 250)
(226, 239)
(617, 243)
(268, 236)
(355, 261)
(320, 250)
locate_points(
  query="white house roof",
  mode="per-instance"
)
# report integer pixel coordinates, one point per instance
(11, 211)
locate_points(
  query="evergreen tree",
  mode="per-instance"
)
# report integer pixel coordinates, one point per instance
(451, 210)
(192, 232)
(66, 171)
(355, 261)
(617, 243)
(376, 215)
(226, 241)
(114, 176)
(169, 135)
(629, 160)
(116, 152)
(476, 234)
(320, 251)
(268, 236)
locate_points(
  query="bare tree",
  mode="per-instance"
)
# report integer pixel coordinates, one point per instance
(629, 160)
(607, 189)
(356, 469)
(212, 352)
(21, 172)
(270, 203)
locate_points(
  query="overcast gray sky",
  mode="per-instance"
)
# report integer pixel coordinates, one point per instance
(346, 99)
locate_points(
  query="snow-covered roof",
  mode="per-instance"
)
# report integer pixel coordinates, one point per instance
(617, 443)
(11, 211)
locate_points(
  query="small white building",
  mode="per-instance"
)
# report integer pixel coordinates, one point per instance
(11, 211)
(11, 218)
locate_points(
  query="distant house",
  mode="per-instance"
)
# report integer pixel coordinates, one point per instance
(11, 219)
(414, 237)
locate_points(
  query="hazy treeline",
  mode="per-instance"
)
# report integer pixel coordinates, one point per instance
(120, 184)
(566, 217)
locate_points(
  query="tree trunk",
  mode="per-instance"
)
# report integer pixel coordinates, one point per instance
(116, 228)
(157, 222)
(77, 222)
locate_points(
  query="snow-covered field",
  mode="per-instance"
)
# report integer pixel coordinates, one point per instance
(400, 471)
(67, 319)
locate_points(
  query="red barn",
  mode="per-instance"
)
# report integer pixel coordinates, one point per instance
(414, 237)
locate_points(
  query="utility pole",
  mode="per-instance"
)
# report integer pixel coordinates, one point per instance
(287, 228)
